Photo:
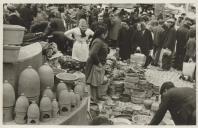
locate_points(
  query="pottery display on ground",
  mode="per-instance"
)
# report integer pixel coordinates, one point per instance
(8, 101)
(61, 86)
(46, 76)
(64, 102)
(21, 109)
(13, 34)
(48, 92)
(45, 108)
(33, 114)
(29, 84)
(55, 109)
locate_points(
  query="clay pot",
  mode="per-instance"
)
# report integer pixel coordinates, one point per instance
(46, 76)
(148, 103)
(73, 99)
(64, 102)
(80, 89)
(29, 84)
(55, 109)
(61, 86)
(155, 106)
(46, 108)
(80, 75)
(8, 101)
(48, 92)
(33, 114)
(77, 99)
(21, 109)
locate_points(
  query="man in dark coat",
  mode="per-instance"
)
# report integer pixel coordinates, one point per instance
(143, 38)
(160, 33)
(146, 43)
(27, 15)
(180, 102)
(124, 41)
(56, 28)
(182, 38)
(170, 39)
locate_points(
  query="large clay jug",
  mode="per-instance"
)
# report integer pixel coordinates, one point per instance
(73, 100)
(29, 84)
(46, 108)
(46, 76)
(64, 102)
(48, 92)
(33, 114)
(8, 101)
(61, 86)
(21, 108)
(55, 109)
(80, 89)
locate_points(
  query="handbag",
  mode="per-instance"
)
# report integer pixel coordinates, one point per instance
(96, 76)
(163, 51)
(189, 68)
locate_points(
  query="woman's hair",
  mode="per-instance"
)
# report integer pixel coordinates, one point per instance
(166, 86)
(100, 29)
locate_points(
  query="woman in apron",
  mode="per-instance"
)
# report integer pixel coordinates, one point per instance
(80, 35)
(94, 71)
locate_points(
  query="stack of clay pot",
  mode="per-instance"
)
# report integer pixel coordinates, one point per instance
(49, 93)
(33, 114)
(61, 86)
(12, 39)
(45, 108)
(8, 101)
(46, 76)
(64, 102)
(80, 89)
(55, 109)
(21, 108)
(29, 84)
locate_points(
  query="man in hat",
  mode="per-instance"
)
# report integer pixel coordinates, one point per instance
(160, 33)
(180, 102)
(182, 38)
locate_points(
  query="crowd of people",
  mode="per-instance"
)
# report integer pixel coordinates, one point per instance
(90, 34)
(126, 30)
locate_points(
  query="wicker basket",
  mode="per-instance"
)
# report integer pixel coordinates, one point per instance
(141, 119)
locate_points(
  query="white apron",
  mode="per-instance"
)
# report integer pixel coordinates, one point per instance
(80, 51)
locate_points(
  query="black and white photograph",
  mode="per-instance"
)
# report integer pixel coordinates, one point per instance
(91, 64)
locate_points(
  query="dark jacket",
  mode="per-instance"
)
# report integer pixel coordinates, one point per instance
(124, 42)
(181, 103)
(159, 35)
(146, 41)
(182, 36)
(55, 24)
(191, 48)
(170, 39)
(143, 40)
(98, 54)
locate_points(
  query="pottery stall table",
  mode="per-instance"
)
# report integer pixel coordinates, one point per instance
(76, 117)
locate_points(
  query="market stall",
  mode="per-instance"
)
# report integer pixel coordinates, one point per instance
(35, 92)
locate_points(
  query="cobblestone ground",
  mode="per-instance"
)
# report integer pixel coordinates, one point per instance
(157, 77)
